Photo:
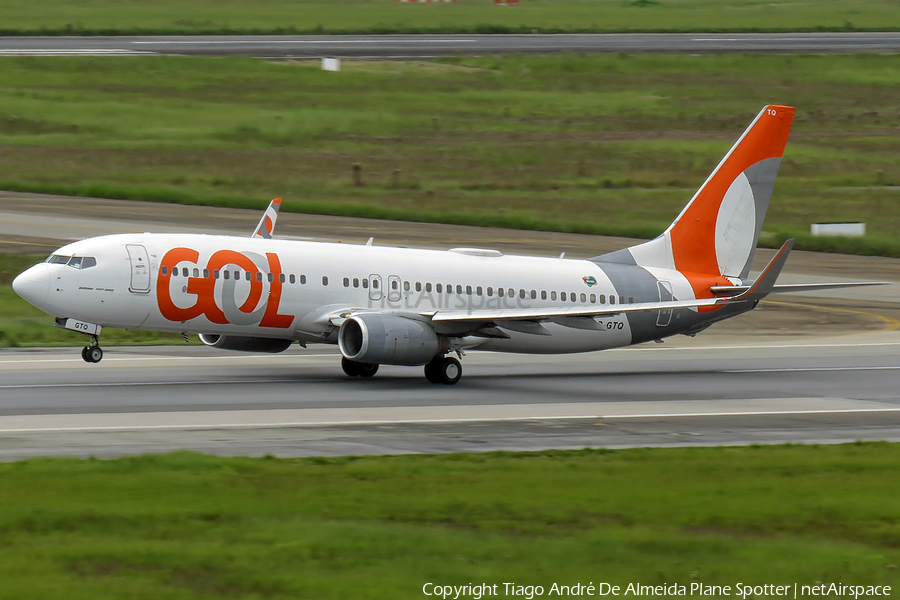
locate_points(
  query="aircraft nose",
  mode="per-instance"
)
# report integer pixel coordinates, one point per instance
(33, 285)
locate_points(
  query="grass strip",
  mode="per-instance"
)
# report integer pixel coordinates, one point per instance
(281, 17)
(191, 526)
(594, 144)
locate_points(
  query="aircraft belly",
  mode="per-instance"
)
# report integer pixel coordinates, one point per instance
(562, 340)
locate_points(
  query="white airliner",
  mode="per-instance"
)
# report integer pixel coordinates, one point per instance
(400, 306)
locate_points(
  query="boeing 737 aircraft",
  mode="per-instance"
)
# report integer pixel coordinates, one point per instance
(400, 306)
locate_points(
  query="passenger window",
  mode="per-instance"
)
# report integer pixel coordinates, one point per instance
(303, 279)
(365, 283)
(164, 271)
(269, 277)
(478, 290)
(418, 286)
(405, 286)
(621, 299)
(583, 298)
(612, 299)
(602, 298)
(512, 293)
(395, 285)
(490, 291)
(593, 298)
(247, 275)
(469, 290)
(356, 282)
(459, 289)
(281, 278)
(346, 282)
(226, 274)
(543, 294)
(630, 299)
(258, 276)
(428, 287)
(500, 292)
(215, 273)
(563, 296)
(553, 295)
(184, 271)
(439, 288)
(533, 295)
(324, 279)
(293, 278)
(374, 284)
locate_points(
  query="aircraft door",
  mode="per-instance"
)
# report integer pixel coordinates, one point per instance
(394, 290)
(140, 269)
(665, 295)
(375, 287)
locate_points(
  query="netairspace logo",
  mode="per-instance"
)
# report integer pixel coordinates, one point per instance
(477, 591)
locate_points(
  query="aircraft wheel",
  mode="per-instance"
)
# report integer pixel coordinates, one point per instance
(367, 369)
(449, 370)
(93, 354)
(84, 354)
(432, 371)
(350, 367)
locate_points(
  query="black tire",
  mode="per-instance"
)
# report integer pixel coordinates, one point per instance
(433, 371)
(95, 354)
(367, 369)
(84, 354)
(350, 367)
(450, 370)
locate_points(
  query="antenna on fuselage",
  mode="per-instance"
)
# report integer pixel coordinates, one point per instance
(369, 243)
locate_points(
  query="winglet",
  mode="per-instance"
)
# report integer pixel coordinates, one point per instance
(766, 280)
(267, 224)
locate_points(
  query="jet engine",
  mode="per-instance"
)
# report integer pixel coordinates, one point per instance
(245, 344)
(380, 339)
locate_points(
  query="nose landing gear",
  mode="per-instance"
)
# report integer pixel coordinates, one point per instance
(92, 353)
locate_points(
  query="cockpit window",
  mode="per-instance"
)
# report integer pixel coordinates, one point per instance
(76, 262)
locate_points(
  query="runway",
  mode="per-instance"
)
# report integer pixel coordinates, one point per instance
(429, 46)
(702, 391)
(820, 368)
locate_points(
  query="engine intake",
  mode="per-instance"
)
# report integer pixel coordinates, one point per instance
(241, 343)
(388, 340)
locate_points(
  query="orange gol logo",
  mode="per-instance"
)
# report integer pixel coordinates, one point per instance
(225, 311)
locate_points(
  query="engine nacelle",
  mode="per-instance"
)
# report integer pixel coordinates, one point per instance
(245, 344)
(387, 340)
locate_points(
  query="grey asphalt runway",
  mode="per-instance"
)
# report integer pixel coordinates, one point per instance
(809, 369)
(702, 391)
(426, 46)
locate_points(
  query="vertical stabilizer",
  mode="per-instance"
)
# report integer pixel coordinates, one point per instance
(717, 232)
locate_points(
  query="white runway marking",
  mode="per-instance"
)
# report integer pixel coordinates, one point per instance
(270, 42)
(74, 52)
(812, 369)
(281, 418)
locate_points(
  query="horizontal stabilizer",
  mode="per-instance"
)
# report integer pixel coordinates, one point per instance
(794, 288)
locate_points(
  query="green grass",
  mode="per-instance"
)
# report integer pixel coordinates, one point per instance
(109, 17)
(192, 526)
(594, 144)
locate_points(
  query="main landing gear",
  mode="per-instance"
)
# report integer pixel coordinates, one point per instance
(358, 369)
(443, 369)
(92, 353)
